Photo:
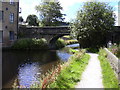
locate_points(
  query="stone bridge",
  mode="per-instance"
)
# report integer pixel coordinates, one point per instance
(51, 33)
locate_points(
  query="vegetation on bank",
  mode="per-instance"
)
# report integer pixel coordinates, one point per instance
(115, 49)
(69, 40)
(71, 71)
(60, 43)
(72, 41)
(69, 50)
(65, 75)
(109, 78)
(28, 44)
(36, 44)
(92, 50)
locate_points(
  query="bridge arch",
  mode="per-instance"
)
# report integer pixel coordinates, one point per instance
(54, 39)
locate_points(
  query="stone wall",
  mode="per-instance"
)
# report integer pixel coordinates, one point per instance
(114, 61)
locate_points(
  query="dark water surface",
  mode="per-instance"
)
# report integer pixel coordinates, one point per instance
(25, 68)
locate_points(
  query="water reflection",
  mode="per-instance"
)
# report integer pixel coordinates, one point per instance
(27, 67)
(73, 45)
(63, 55)
(27, 74)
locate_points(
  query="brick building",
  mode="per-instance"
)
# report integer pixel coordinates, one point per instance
(9, 12)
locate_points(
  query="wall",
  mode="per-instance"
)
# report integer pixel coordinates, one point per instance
(7, 26)
(114, 61)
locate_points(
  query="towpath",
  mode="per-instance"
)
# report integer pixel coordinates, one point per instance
(92, 76)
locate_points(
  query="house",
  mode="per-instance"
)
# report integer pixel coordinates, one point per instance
(9, 12)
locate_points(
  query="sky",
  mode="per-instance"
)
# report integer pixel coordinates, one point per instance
(70, 7)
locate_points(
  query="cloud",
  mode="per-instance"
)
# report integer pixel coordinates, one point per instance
(28, 7)
(116, 22)
(67, 3)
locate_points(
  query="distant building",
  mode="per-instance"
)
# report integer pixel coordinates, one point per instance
(119, 13)
(8, 21)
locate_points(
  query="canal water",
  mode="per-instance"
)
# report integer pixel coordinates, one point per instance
(25, 67)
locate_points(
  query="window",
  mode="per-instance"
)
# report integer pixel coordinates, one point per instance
(11, 35)
(1, 15)
(12, 17)
(12, 2)
(1, 36)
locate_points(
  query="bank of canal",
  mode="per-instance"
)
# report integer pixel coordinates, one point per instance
(25, 67)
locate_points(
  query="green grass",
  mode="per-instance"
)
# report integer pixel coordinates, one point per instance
(109, 78)
(71, 74)
(69, 50)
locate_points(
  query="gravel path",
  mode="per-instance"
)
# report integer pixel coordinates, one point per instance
(92, 76)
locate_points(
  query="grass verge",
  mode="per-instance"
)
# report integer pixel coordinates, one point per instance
(71, 74)
(109, 78)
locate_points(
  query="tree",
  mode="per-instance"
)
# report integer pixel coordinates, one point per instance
(21, 19)
(92, 24)
(50, 13)
(32, 20)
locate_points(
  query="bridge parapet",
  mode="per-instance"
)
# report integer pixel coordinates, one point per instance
(44, 30)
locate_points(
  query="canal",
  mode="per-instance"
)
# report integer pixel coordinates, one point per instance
(25, 67)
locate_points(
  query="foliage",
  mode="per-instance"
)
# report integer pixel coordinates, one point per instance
(50, 13)
(92, 50)
(71, 74)
(21, 19)
(68, 42)
(65, 73)
(60, 43)
(109, 78)
(92, 24)
(32, 20)
(28, 44)
(69, 50)
(115, 50)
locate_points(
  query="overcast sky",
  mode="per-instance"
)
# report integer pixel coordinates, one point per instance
(70, 7)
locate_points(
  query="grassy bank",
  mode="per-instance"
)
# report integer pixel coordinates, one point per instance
(70, 75)
(69, 40)
(109, 78)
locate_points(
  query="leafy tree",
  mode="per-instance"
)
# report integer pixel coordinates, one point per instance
(50, 13)
(21, 19)
(32, 20)
(92, 24)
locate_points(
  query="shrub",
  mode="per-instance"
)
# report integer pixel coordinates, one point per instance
(60, 43)
(39, 43)
(115, 49)
(28, 44)
(92, 50)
